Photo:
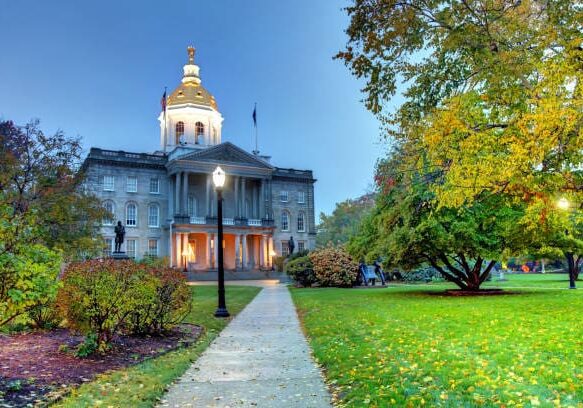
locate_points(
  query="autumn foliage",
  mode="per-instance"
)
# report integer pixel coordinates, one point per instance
(108, 297)
(333, 266)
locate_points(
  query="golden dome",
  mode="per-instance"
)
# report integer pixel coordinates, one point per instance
(191, 92)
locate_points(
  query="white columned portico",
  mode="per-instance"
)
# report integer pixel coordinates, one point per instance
(269, 251)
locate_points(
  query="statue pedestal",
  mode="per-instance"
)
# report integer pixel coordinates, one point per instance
(119, 256)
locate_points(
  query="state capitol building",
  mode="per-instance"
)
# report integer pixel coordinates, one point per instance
(167, 202)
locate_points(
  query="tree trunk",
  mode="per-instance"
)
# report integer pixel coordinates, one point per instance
(572, 269)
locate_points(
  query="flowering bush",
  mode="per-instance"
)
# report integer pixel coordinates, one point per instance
(301, 270)
(333, 266)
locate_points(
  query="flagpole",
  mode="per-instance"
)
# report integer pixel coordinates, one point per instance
(165, 125)
(256, 151)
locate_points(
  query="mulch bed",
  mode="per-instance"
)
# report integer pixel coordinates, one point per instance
(32, 366)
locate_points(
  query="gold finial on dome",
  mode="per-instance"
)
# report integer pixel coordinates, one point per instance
(191, 51)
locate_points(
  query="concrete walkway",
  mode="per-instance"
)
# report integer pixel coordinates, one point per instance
(261, 359)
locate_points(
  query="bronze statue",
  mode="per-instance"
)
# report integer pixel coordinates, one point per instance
(120, 232)
(291, 245)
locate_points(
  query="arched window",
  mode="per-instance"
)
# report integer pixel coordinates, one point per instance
(153, 215)
(301, 222)
(131, 215)
(179, 131)
(198, 131)
(285, 221)
(109, 206)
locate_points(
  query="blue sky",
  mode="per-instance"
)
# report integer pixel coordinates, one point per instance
(98, 69)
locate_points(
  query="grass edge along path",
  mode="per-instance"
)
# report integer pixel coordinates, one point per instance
(414, 346)
(144, 384)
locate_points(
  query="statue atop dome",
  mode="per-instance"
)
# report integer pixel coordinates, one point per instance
(191, 51)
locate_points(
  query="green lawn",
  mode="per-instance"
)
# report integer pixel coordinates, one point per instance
(411, 345)
(143, 384)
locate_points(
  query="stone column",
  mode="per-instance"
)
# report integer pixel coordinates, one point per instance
(255, 200)
(208, 250)
(269, 251)
(243, 196)
(177, 194)
(208, 196)
(262, 200)
(237, 251)
(184, 205)
(262, 252)
(244, 254)
(236, 187)
(185, 249)
(177, 249)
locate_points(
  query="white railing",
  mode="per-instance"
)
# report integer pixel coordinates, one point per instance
(197, 220)
(254, 222)
(228, 221)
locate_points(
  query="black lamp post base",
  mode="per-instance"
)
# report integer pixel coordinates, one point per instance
(222, 313)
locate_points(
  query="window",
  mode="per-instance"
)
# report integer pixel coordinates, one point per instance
(132, 184)
(153, 215)
(301, 246)
(108, 183)
(154, 186)
(283, 196)
(109, 206)
(301, 222)
(301, 197)
(285, 221)
(284, 248)
(131, 248)
(108, 247)
(131, 215)
(153, 247)
(198, 131)
(179, 131)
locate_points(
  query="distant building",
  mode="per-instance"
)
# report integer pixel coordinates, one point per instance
(167, 201)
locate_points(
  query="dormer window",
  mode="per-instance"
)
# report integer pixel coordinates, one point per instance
(198, 131)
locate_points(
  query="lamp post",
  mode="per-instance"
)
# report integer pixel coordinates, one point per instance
(564, 204)
(219, 182)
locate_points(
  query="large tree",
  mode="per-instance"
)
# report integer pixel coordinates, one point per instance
(338, 227)
(410, 229)
(493, 94)
(44, 215)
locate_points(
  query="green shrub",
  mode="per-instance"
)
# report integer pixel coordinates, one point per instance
(301, 270)
(89, 346)
(296, 255)
(162, 300)
(426, 274)
(26, 279)
(45, 315)
(334, 267)
(97, 295)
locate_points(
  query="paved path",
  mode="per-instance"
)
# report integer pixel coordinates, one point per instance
(261, 359)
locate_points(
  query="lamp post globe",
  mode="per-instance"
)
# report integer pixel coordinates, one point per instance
(219, 182)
